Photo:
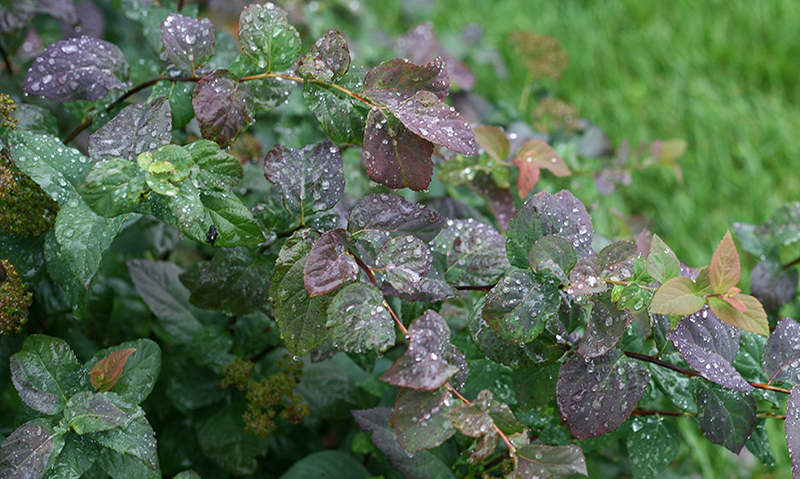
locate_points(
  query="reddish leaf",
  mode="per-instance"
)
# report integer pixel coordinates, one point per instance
(473, 419)
(553, 462)
(677, 296)
(493, 140)
(782, 353)
(421, 44)
(427, 116)
(395, 156)
(500, 200)
(188, 43)
(106, 372)
(606, 327)
(753, 319)
(725, 269)
(585, 278)
(329, 265)
(327, 59)
(223, 107)
(533, 155)
(398, 79)
(792, 428)
(773, 285)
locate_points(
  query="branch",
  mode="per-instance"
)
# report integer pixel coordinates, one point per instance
(342, 89)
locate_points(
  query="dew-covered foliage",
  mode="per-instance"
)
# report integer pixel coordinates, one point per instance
(269, 249)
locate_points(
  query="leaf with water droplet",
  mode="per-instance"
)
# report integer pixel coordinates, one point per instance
(555, 255)
(135, 438)
(726, 417)
(759, 445)
(493, 140)
(342, 118)
(653, 444)
(329, 263)
(500, 201)
(772, 285)
(792, 430)
(533, 156)
(77, 69)
(783, 227)
(677, 387)
(597, 395)
(679, 295)
(423, 365)
(473, 419)
(395, 156)
(398, 79)
(431, 288)
(606, 326)
(419, 420)
(404, 260)
(616, 260)
(535, 386)
(188, 43)
(45, 373)
(134, 130)
(63, 278)
(555, 462)
(753, 318)
(139, 371)
(223, 107)
(236, 281)
(585, 278)
(267, 37)
(88, 411)
(748, 362)
(518, 307)
(216, 168)
(420, 465)
(662, 263)
(725, 268)
(30, 450)
(474, 254)
(113, 187)
(358, 321)
(311, 178)
(327, 59)
(782, 353)
(545, 214)
(106, 372)
(179, 95)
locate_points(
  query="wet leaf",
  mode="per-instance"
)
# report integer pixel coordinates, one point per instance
(423, 365)
(398, 79)
(748, 362)
(473, 419)
(422, 465)
(216, 169)
(179, 95)
(752, 319)
(653, 444)
(235, 282)
(107, 371)
(535, 386)
(267, 37)
(726, 417)
(783, 227)
(709, 346)
(77, 69)
(792, 428)
(188, 43)
(342, 118)
(533, 156)
(677, 387)
(616, 260)
(585, 278)
(597, 395)
(223, 107)
(431, 288)
(782, 353)
(91, 412)
(327, 59)
(329, 263)
(139, 372)
(606, 326)
(430, 118)
(662, 263)
(135, 438)
(545, 214)
(474, 253)
(554, 254)
(395, 156)
(311, 178)
(501, 203)
(327, 464)
(759, 445)
(113, 187)
(358, 321)
(518, 307)
(678, 295)
(556, 462)
(404, 260)
(45, 373)
(378, 217)
(30, 450)
(419, 420)
(493, 140)
(772, 285)
(725, 267)
(134, 130)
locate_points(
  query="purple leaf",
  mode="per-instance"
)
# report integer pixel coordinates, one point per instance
(77, 69)
(427, 116)
(554, 462)
(423, 365)
(792, 427)
(188, 43)
(404, 260)
(709, 346)
(420, 44)
(223, 107)
(616, 260)
(398, 79)
(419, 418)
(62, 9)
(473, 419)
(597, 395)
(395, 156)
(431, 288)
(475, 253)
(379, 217)
(606, 327)
(358, 321)
(585, 278)
(29, 451)
(726, 417)
(782, 353)
(329, 264)
(311, 178)
(773, 285)
(545, 214)
(327, 59)
(422, 465)
(134, 130)
(501, 203)
(91, 22)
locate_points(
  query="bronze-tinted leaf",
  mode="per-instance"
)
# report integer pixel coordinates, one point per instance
(223, 107)
(395, 156)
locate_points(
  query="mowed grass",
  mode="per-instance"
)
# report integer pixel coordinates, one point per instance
(724, 75)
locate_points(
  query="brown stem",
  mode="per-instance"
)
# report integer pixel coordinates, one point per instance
(180, 5)
(791, 263)
(512, 450)
(344, 90)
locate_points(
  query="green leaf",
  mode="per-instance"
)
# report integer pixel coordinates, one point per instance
(358, 321)
(30, 450)
(341, 117)
(726, 417)
(725, 268)
(210, 346)
(223, 106)
(267, 37)
(754, 319)
(77, 456)
(140, 371)
(473, 419)
(221, 435)
(556, 462)
(554, 254)
(234, 222)
(518, 307)
(475, 253)
(90, 412)
(113, 187)
(493, 140)
(235, 282)
(329, 263)
(46, 373)
(759, 445)
(662, 263)
(677, 296)
(677, 387)
(652, 445)
(419, 418)
(404, 260)
(396, 156)
(328, 465)
(535, 387)
(217, 169)
(134, 130)
(311, 178)
(328, 58)
(77, 298)
(179, 95)
(135, 438)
